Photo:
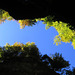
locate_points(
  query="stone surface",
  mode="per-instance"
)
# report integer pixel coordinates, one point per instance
(63, 10)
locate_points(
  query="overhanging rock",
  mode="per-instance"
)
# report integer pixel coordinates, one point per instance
(63, 10)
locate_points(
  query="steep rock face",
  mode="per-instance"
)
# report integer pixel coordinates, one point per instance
(26, 9)
(30, 9)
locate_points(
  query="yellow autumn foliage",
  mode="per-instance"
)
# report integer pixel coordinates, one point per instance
(65, 34)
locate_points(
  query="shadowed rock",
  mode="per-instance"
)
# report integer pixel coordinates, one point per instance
(31, 9)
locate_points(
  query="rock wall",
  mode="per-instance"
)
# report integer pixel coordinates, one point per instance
(63, 10)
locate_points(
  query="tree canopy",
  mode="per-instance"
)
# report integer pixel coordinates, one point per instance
(65, 34)
(26, 59)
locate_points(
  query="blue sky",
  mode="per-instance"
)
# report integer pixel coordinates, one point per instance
(10, 32)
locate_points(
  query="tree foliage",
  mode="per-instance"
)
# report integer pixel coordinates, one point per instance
(25, 59)
(26, 22)
(4, 15)
(59, 62)
(65, 34)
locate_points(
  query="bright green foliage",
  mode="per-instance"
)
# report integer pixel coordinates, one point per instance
(4, 16)
(57, 40)
(47, 20)
(65, 33)
(19, 45)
